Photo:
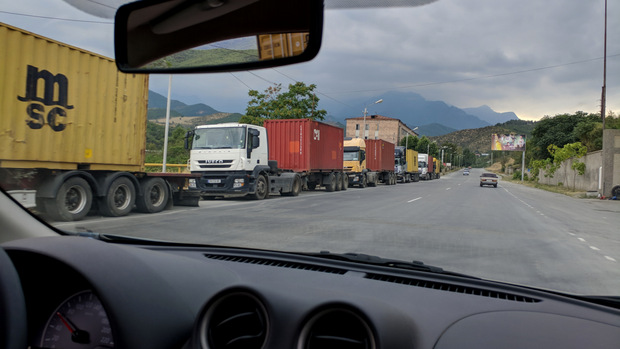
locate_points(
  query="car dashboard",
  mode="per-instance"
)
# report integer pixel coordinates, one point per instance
(85, 293)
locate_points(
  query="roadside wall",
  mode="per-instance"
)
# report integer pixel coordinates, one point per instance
(571, 179)
(611, 155)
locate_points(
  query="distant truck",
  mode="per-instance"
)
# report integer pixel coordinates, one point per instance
(437, 168)
(426, 166)
(79, 135)
(283, 157)
(406, 165)
(369, 162)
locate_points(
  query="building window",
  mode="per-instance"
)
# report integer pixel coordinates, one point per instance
(357, 126)
(367, 128)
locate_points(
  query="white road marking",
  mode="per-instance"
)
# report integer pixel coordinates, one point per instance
(581, 239)
(609, 258)
(415, 199)
(448, 188)
(595, 248)
(571, 234)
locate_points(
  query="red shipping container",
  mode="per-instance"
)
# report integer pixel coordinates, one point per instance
(431, 164)
(379, 155)
(304, 145)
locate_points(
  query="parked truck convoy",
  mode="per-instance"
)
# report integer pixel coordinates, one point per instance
(78, 136)
(282, 157)
(406, 165)
(369, 162)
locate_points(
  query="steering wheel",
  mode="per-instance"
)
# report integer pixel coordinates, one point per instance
(13, 325)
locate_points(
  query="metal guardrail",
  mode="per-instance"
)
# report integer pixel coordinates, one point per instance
(178, 168)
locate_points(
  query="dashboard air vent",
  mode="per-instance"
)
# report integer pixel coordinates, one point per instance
(234, 321)
(336, 328)
(452, 288)
(277, 263)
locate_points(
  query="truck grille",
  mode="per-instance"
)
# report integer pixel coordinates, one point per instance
(219, 164)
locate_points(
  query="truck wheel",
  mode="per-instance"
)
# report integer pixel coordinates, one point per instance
(331, 186)
(481, 184)
(338, 180)
(72, 202)
(295, 187)
(261, 188)
(345, 181)
(155, 196)
(119, 199)
(363, 182)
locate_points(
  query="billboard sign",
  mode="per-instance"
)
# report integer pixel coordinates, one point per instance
(508, 142)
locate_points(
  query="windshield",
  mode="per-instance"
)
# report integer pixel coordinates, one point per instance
(507, 87)
(219, 138)
(351, 155)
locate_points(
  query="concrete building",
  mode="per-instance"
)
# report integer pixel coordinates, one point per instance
(378, 127)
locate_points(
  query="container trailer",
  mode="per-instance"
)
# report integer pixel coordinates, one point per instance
(284, 156)
(368, 162)
(406, 165)
(73, 132)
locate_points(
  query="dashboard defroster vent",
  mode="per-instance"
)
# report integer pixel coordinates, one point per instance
(339, 328)
(441, 286)
(234, 321)
(276, 263)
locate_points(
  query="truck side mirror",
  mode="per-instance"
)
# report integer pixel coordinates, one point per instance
(188, 135)
(362, 156)
(255, 141)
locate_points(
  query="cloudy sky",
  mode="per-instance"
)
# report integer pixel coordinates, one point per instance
(531, 57)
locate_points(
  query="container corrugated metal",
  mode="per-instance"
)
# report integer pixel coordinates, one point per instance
(304, 145)
(379, 155)
(272, 46)
(431, 164)
(412, 161)
(63, 107)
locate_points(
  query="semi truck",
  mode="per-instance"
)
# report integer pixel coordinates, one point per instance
(437, 168)
(425, 166)
(369, 162)
(78, 136)
(283, 157)
(406, 165)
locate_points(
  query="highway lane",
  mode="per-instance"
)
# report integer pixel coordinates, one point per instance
(511, 233)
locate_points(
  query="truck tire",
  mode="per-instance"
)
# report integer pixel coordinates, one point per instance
(345, 181)
(155, 195)
(338, 180)
(262, 189)
(295, 187)
(363, 182)
(72, 202)
(331, 186)
(119, 199)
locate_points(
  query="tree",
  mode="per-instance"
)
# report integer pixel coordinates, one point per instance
(299, 102)
(411, 142)
(423, 145)
(568, 151)
(557, 130)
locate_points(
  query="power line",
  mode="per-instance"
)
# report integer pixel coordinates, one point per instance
(55, 18)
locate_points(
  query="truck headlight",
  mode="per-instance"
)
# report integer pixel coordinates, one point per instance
(239, 182)
(192, 183)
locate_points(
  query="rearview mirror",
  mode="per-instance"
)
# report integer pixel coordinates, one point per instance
(187, 36)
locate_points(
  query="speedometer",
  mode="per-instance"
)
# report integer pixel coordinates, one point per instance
(78, 322)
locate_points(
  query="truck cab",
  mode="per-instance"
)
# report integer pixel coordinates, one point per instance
(354, 162)
(230, 158)
(423, 166)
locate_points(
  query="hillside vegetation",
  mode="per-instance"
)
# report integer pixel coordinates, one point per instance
(479, 139)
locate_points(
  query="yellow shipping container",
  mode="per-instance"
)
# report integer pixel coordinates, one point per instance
(66, 108)
(272, 46)
(412, 161)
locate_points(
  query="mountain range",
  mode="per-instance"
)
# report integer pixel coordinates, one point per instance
(433, 118)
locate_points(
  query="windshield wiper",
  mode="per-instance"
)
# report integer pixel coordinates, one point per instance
(385, 262)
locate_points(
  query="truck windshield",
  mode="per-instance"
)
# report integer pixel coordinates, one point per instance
(422, 164)
(219, 138)
(351, 155)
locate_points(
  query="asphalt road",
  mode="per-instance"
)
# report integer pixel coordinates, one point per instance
(511, 233)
